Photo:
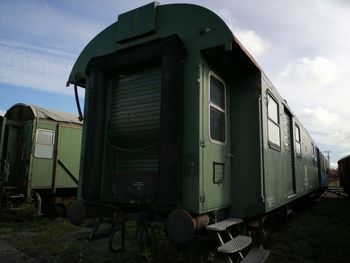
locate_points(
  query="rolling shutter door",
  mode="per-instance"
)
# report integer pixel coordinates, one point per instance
(135, 120)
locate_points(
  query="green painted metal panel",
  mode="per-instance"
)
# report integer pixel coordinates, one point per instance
(68, 156)
(190, 20)
(135, 119)
(62, 170)
(214, 154)
(12, 154)
(137, 22)
(26, 160)
(42, 168)
(287, 144)
(278, 183)
(245, 146)
(16, 151)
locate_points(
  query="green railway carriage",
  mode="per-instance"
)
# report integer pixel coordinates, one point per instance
(40, 156)
(179, 118)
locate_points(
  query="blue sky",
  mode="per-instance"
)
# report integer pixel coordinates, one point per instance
(303, 47)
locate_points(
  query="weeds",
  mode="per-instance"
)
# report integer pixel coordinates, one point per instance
(318, 232)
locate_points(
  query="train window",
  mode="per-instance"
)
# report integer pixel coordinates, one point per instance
(217, 109)
(273, 110)
(44, 143)
(273, 123)
(297, 141)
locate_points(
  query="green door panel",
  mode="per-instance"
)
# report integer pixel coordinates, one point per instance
(215, 144)
(42, 168)
(68, 156)
(12, 154)
(287, 143)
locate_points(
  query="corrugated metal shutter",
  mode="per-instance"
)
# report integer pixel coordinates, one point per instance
(135, 119)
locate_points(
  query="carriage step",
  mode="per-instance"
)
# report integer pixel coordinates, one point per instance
(17, 196)
(222, 225)
(256, 255)
(235, 245)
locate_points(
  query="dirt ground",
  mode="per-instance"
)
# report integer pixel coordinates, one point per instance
(9, 253)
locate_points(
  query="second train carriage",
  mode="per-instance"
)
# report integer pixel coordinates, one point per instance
(39, 156)
(180, 120)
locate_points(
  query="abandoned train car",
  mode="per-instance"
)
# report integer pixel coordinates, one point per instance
(39, 156)
(179, 119)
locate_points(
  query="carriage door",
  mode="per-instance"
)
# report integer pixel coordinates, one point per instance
(12, 144)
(44, 156)
(215, 142)
(288, 149)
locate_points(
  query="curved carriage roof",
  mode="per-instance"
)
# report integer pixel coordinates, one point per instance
(23, 112)
(198, 27)
(345, 158)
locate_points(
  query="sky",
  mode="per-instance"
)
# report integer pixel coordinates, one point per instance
(302, 46)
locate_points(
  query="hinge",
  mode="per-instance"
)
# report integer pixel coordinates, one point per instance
(202, 198)
(202, 143)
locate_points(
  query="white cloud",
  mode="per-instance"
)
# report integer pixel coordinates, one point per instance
(255, 44)
(343, 154)
(317, 82)
(2, 112)
(310, 74)
(38, 68)
(252, 41)
(333, 165)
(329, 129)
(319, 117)
(316, 89)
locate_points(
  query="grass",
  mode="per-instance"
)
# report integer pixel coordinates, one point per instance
(56, 240)
(319, 232)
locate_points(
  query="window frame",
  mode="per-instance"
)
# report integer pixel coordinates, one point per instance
(271, 144)
(41, 143)
(218, 108)
(298, 132)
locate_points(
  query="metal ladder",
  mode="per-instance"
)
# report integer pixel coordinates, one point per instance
(236, 244)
